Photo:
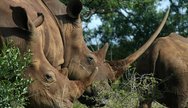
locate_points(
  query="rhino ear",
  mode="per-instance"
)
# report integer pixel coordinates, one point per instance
(74, 8)
(102, 52)
(21, 19)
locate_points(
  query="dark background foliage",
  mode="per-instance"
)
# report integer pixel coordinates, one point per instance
(127, 24)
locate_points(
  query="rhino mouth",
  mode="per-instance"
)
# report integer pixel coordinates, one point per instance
(95, 97)
(93, 101)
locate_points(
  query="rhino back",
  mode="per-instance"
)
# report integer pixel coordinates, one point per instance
(167, 58)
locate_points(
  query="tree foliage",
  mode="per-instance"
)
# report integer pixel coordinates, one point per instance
(127, 24)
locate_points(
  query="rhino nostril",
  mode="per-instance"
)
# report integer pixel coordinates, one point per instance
(94, 91)
(110, 82)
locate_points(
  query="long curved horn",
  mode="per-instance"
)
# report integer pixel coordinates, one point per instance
(88, 81)
(121, 65)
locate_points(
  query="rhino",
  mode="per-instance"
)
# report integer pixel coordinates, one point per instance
(120, 66)
(50, 87)
(63, 47)
(109, 71)
(167, 59)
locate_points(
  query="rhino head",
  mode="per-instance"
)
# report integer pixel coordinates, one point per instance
(78, 58)
(50, 87)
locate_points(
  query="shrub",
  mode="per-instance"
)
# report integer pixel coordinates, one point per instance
(13, 84)
(130, 89)
(127, 91)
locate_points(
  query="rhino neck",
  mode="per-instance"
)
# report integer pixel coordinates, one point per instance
(52, 11)
(59, 13)
(56, 9)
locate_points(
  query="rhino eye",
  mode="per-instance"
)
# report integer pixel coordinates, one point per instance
(49, 78)
(90, 59)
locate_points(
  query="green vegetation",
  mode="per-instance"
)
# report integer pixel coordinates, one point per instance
(127, 24)
(13, 85)
(127, 91)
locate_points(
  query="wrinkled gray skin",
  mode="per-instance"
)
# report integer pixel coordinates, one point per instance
(167, 59)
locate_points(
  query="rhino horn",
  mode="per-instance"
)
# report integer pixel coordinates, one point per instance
(74, 8)
(38, 21)
(88, 81)
(102, 52)
(119, 66)
(83, 84)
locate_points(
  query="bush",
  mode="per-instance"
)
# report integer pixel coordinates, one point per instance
(127, 91)
(130, 89)
(13, 84)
